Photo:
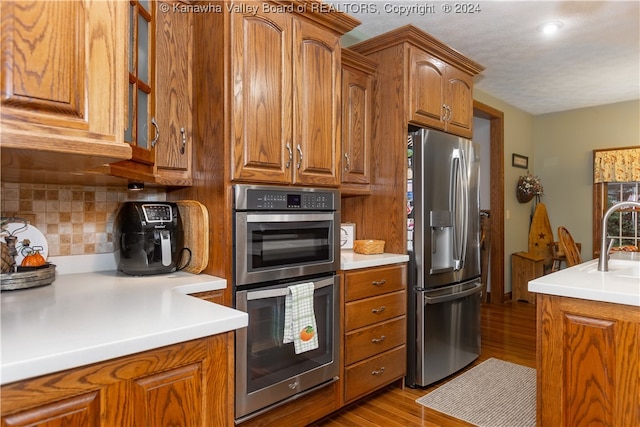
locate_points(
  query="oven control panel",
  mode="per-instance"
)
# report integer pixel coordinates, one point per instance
(285, 199)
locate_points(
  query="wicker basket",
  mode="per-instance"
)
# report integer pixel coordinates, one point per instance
(368, 247)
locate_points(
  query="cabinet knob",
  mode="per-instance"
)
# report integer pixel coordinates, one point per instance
(378, 340)
(347, 163)
(379, 310)
(378, 282)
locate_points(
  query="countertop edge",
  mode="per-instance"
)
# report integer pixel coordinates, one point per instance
(350, 260)
(211, 319)
(572, 282)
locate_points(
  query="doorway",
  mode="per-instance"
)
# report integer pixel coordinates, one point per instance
(496, 198)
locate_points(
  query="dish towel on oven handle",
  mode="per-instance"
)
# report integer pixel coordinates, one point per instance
(299, 318)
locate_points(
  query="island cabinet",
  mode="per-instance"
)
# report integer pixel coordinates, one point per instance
(159, 95)
(358, 73)
(375, 325)
(588, 360)
(285, 86)
(441, 95)
(63, 79)
(183, 384)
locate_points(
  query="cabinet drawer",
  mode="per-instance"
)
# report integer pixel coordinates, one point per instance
(374, 281)
(367, 342)
(374, 373)
(375, 309)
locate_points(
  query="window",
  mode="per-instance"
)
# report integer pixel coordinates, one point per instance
(623, 226)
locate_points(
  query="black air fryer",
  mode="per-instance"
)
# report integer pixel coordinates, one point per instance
(148, 238)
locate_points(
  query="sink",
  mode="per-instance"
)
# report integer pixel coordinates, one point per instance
(617, 267)
(619, 285)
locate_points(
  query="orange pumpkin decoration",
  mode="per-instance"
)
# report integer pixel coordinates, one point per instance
(307, 333)
(34, 259)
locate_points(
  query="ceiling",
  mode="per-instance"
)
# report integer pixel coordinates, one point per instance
(594, 59)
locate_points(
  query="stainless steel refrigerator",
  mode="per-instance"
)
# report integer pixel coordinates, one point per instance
(443, 242)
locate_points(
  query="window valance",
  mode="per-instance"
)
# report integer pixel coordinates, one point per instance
(616, 165)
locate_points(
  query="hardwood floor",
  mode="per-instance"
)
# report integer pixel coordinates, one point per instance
(508, 333)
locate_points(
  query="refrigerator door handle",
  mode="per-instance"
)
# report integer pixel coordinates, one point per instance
(451, 297)
(459, 206)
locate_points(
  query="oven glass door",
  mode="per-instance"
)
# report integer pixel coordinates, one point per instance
(268, 371)
(272, 246)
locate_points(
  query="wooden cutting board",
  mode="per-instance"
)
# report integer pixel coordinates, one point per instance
(541, 236)
(195, 224)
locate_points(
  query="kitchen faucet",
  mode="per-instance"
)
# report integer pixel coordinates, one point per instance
(603, 261)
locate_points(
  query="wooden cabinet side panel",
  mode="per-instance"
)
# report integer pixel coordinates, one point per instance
(588, 362)
(588, 371)
(262, 90)
(316, 105)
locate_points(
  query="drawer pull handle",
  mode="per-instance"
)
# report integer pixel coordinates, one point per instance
(378, 372)
(378, 282)
(377, 340)
(378, 310)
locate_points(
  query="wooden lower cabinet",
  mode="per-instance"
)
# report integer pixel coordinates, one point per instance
(374, 349)
(588, 360)
(184, 384)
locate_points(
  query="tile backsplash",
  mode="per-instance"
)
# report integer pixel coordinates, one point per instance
(76, 220)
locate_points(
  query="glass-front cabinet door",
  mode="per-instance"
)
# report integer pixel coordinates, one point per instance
(141, 129)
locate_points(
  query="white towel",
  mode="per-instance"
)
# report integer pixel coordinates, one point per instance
(299, 319)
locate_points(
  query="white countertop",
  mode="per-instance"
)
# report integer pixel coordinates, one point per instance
(620, 285)
(85, 318)
(350, 260)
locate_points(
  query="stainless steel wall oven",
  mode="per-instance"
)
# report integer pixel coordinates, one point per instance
(283, 237)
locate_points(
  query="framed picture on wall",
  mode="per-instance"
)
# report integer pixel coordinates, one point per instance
(519, 161)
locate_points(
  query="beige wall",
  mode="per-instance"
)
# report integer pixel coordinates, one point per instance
(518, 138)
(563, 144)
(560, 150)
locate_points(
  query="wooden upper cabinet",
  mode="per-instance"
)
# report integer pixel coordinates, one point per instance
(62, 83)
(159, 94)
(262, 134)
(358, 74)
(316, 109)
(286, 100)
(426, 89)
(173, 97)
(441, 96)
(459, 100)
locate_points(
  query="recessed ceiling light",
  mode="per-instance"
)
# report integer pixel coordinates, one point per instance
(550, 27)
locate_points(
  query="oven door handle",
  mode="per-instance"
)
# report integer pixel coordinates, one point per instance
(282, 292)
(299, 217)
